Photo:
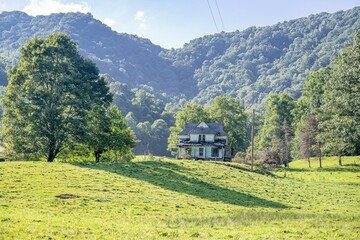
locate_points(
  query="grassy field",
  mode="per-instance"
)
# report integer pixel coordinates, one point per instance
(171, 199)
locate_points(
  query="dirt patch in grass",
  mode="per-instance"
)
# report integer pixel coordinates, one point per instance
(66, 196)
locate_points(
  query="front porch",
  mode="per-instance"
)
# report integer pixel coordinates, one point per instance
(201, 152)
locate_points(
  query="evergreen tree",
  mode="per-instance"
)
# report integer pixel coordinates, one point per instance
(309, 115)
(342, 102)
(276, 133)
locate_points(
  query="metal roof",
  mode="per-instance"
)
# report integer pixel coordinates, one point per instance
(203, 128)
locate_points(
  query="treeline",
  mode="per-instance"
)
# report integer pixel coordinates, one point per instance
(324, 120)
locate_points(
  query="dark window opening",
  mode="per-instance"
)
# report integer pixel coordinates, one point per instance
(201, 152)
(214, 152)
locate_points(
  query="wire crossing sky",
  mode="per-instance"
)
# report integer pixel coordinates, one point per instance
(212, 15)
(171, 24)
(221, 19)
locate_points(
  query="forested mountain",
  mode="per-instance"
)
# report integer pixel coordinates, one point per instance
(150, 83)
(257, 61)
(125, 57)
(246, 64)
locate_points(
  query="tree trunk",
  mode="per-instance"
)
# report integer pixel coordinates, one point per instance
(53, 149)
(97, 154)
(51, 157)
(340, 162)
(97, 158)
(286, 164)
(309, 162)
(51, 154)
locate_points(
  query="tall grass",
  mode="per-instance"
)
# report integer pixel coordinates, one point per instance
(173, 199)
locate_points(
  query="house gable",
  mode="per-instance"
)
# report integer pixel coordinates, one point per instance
(202, 125)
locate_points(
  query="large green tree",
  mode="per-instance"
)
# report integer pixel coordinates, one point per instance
(231, 114)
(309, 115)
(342, 102)
(277, 111)
(190, 113)
(275, 135)
(49, 96)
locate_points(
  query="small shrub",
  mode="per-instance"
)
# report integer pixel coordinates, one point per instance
(270, 158)
(128, 157)
(241, 157)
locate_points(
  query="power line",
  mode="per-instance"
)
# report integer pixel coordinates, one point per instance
(212, 15)
(222, 23)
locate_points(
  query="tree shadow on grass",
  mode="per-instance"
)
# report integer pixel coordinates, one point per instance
(169, 176)
(345, 168)
(238, 167)
(248, 217)
(294, 170)
(354, 169)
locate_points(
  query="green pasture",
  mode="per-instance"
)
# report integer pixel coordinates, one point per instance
(173, 199)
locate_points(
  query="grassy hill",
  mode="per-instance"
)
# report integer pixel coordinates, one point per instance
(162, 199)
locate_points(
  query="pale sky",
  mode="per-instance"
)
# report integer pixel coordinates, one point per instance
(172, 23)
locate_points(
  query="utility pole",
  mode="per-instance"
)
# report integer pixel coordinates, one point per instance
(252, 140)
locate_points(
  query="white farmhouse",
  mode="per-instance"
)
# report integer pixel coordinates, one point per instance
(206, 141)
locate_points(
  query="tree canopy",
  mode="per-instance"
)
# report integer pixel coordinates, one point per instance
(276, 133)
(231, 114)
(49, 97)
(342, 102)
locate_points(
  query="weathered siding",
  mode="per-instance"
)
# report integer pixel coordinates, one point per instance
(208, 137)
(194, 137)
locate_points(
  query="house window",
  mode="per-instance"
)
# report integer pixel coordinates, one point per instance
(214, 152)
(204, 138)
(199, 138)
(201, 152)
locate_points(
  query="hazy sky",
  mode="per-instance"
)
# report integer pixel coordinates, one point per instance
(171, 23)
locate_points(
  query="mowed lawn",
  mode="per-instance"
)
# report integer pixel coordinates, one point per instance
(172, 199)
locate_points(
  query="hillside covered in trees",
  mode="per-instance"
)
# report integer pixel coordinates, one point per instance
(246, 64)
(150, 83)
